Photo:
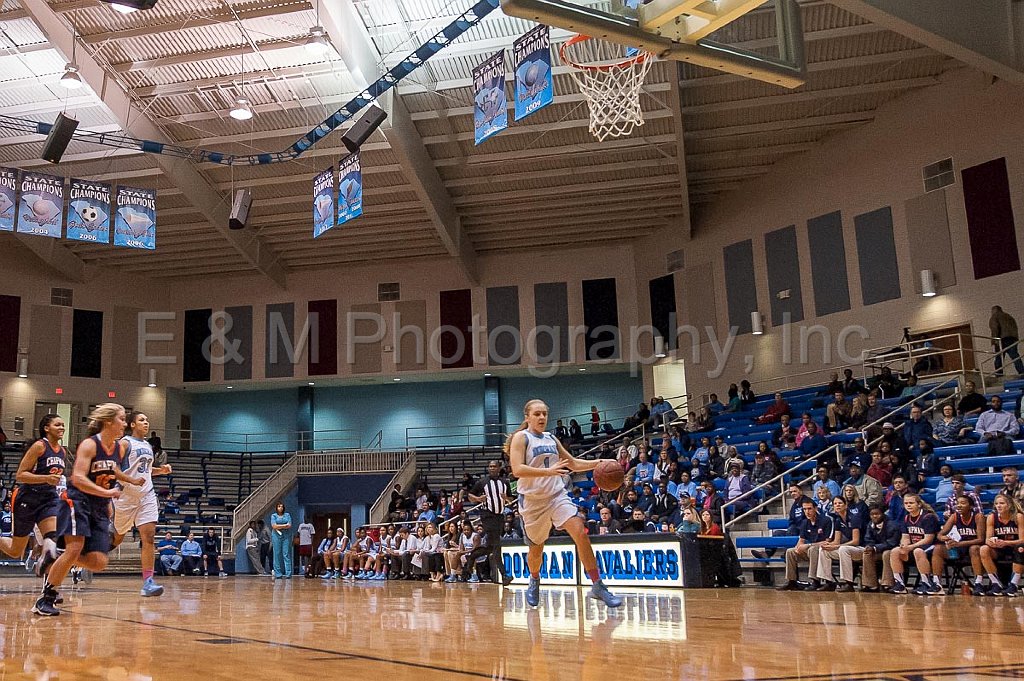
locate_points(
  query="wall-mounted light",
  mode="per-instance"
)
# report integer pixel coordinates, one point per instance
(756, 323)
(23, 367)
(659, 346)
(928, 285)
(152, 378)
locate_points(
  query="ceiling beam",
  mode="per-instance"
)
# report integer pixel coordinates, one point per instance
(540, 152)
(828, 121)
(195, 187)
(252, 78)
(675, 107)
(206, 55)
(56, 256)
(343, 24)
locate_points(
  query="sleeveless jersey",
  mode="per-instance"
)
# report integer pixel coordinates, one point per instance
(1006, 531)
(541, 452)
(104, 463)
(466, 542)
(50, 462)
(138, 461)
(966, 528)
(924, 524)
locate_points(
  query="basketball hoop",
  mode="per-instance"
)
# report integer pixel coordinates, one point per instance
(610, 77)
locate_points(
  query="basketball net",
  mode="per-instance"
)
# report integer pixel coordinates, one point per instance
(610, 82)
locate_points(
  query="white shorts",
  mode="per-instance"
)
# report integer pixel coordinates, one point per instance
(134, 511)
(540, 514)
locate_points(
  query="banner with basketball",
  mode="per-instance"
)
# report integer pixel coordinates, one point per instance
(89, 211)
(135, 218)
(534, 88)
(8, 199)
(490, 115)
(323, 202)
(350, 189)
(41, 209)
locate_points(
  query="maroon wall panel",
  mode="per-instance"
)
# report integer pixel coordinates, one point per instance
(990, 219)
(10, 326)
(457, 337)
(326, 330)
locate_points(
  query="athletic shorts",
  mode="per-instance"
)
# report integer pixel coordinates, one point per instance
(1010, 555)
(30, 507)
(540, 514)
(131, 510)
(87, 517)
(305, 549)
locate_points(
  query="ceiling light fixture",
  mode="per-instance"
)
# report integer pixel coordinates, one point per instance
(71, 80)
(241, 111)
(123, 9)
(129, 6)
(152, 378)
(317, 44)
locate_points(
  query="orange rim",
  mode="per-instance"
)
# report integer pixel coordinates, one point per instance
(639, 58)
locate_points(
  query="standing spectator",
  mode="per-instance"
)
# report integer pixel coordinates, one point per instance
(595, 420)
(155, 443)
(995, 423)
(306, 532)
(1004, 339)
(191, 554)
(170, 559)
(281, 526)
(265, 542)
(747, 396)
(1012, 486)
(971, 403)
(815, 530)
(211, 553)
(252, 548)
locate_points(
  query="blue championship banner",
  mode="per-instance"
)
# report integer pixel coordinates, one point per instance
(532, 56)
(350, 189)
(490, 112)
(89, 213)
(41, 209)
(135, 219)
(8, 199)
(323, 202)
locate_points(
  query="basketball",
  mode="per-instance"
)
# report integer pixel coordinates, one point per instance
(608, 475)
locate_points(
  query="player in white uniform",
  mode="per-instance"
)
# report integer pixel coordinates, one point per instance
(138, 505)
(539, 461)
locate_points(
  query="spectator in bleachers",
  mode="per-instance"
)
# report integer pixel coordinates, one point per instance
(1012, 486)
(709, 524)
(926, 465)
(949, 429)
(796, 516)
(643, 471)
(962, 489)
(834, 384)
(606, 525)
(661, 468)
(606, 451)
(690, 523)
(575, 432)
(945, 487)
(626, 454)
(965, 544)
(626, 502)
(734, 404)
(823, 499)
(708, 498)
(971, 403)
(6, 521)
(813, 443)
(595, 421)
(646, 498)
(911, 390)
(561, 432)
(838, 413)
(1004, 328)
(996, 423)
(665, 505)
(774, 411)
(881, 536)
(170, 559)
(685, 487)
(737, 484)
(851, 386)
(824, 479)
(692, 426)
(784, 430)
(916, 429)
(881, 467)
(705, 420)
(252, 548)
(897, 445)
(716, 462)
(858, 412)
(888, 383)
(659, 407)
(815, 530)
(638, 523)
(854, 505)
(868, 488)
(699, 460)
(859, 454)
(872, 414)
(1004, 538)
(764, 468)
(801, 432)
(714, 406)
(191, 555)
(917, 534)
(640, 416)
(747, 396)
(427, 514)
(733, 458)
(511, 534)
(844, 544)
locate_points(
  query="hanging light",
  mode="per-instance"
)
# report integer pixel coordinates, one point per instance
(152, 378)
(659, 346)
(242, 111)
(928, 278)
(71, 80)
(123, 9)
(756, 323)
(23, 367)
(317, 44)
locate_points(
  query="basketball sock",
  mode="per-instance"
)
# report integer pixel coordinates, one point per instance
(147, 574)
(899, 578)
(994, 579)
(935, 581)
(52, 536)
(535, 575)
(979, 579)
(594, 575)
(1015, 580)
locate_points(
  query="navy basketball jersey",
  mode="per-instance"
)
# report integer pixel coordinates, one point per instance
(104, 463)
(966, 527)
(1006, 531)
(924, 524)
(50, 462)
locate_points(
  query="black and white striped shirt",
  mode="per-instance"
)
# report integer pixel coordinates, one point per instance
(493, 492)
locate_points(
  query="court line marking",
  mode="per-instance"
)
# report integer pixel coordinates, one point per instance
(295, 646)
(900, 673)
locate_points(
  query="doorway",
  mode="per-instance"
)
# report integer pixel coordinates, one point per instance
(333, 520)
(670, 382)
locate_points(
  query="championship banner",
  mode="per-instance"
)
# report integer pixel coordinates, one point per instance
(323, 202)
(490, 115)
(89, 214)
(41, 209)
(8, 199)
(531, 54)
(350, 189)
(135, 219)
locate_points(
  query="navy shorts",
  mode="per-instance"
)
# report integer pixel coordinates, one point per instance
(1010, 555)
(87, 516)
(30, 507)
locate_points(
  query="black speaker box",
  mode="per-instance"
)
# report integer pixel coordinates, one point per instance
(364, 127)
(59, 138)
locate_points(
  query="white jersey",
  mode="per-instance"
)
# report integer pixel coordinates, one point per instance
(138, 461)
(541, 452)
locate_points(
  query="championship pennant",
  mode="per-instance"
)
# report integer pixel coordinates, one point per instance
(490, 115)
(135, 219)
(323, 202)
(350, 189)
(532, 56)
(89, 211)
(41, 209)
(8, 199)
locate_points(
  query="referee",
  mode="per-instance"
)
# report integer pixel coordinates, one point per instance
(492, 492)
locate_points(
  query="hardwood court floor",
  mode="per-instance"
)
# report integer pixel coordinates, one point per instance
(248, 627)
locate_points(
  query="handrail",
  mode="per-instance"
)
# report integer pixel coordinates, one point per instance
(817, 457)
(410, 462)
(376, 442)
(261, 497)
(1001, 352)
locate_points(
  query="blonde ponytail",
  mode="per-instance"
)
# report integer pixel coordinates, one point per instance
(101, 416)
(507, 447)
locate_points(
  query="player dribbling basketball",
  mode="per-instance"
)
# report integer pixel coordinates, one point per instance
(539, 461)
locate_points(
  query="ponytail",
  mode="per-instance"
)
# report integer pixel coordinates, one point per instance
(1011, 501)
(925, 506)
(507, 447)
(101, 416)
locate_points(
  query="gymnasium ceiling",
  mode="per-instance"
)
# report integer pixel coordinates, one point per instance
(545, 183)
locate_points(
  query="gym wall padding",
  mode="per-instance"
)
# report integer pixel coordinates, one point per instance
(828, 264)
(740, 284)
(876, 256)
(783, 262)
(990, 226)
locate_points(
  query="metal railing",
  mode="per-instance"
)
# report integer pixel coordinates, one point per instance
(130, 547)
(340, 462)
(272, 441)
(993, 355)
(253, 506)
(403, 477)
(822, 455)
